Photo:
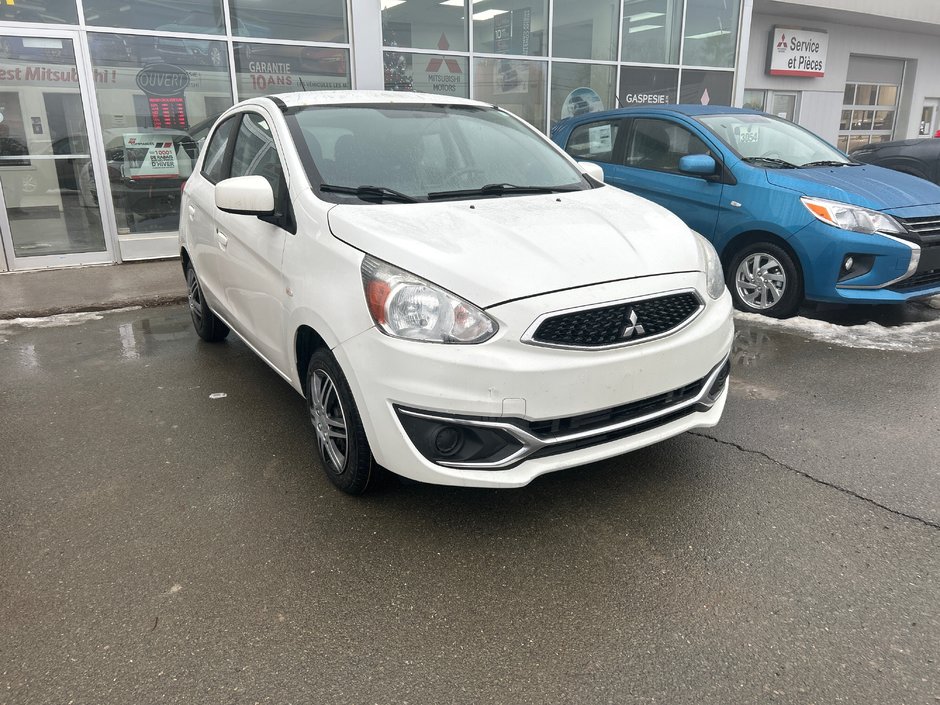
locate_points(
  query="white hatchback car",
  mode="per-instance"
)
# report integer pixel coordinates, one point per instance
(458, 301)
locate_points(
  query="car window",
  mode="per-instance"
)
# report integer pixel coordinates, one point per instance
(594, 140)
(658, 144)
(214, 163)
(255, 153)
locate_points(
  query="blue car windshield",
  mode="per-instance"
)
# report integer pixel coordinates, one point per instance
(424, 152)
(767, 141)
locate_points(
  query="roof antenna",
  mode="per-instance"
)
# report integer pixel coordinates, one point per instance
(302, 86)
(619, 102)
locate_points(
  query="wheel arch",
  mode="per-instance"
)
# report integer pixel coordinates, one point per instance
(306, 342)
(742, 240)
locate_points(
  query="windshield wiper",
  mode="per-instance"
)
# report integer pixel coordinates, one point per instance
(370, 193)
(771, 161)
(499, 190)
(828, 162)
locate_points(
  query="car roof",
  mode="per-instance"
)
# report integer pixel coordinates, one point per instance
(688, 109)
(306, 98)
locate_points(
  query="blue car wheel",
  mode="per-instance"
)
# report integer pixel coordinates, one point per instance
(763, 278)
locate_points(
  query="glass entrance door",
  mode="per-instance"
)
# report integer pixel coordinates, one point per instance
(49, 180)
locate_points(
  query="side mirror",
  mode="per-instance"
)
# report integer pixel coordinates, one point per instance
(698, 165)
(595, 171)
(245, 195)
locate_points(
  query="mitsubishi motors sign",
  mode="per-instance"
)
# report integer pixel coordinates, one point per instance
(797, 52)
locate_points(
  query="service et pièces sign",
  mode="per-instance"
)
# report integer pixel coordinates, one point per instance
(798, 52)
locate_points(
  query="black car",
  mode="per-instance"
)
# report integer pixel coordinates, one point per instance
(920, 157)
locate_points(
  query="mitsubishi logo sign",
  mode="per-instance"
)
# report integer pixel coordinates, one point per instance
(434, 65)
(632, 327)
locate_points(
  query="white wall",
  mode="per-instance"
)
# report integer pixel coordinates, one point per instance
(821, 100)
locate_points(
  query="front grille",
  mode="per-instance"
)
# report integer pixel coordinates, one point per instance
(925, 230)
(620, 323)
(917, 281)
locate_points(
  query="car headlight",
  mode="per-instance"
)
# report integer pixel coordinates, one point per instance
(405, 306)
(714, 276)
(854, 218)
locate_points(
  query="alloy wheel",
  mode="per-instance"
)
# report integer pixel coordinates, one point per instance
(329, 420)
(760, 280)
(195, 298)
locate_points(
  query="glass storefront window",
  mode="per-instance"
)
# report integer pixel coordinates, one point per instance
(154, 112)
(517, 85)
(711, 33)
(54, 11)
(651, 31)
(755, 99)
(425, 24)
(443, 75)
(640, 85)
(261, 69)
(198, 16)
(516, 27)
(585, 30)
(887, 95)
(300, 20)
(581, 88)
(706, 87)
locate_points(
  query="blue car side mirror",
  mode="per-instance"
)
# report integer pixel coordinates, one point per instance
(698, 165)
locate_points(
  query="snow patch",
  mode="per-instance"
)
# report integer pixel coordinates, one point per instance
(62, 319)
(920, 336)
(218, 395)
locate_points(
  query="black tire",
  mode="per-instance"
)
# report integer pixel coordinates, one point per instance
(764, 278)
(341, 440)
(209, 327)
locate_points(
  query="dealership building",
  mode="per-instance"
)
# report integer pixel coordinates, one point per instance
(105, 103)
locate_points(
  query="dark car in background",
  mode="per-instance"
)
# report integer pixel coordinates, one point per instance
(918, 157)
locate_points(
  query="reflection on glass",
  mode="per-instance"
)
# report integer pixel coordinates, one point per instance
(843, 143)
(515, 27)
(862, 119)
(514, 84)
(711, 33)
(52, 11)
(643, 85)
(845, 123)
(581, 88)
(585, 30)
(856, 141)
(199, 16)
(425, 24)
(46, 175)
(443, 75)
(865, 94)
(301, 20)
(754, 99)
(848, 97)
(157, 97)
(884, 120)
(706, 87)
(261, 69)
(651, 31)
(887, 95)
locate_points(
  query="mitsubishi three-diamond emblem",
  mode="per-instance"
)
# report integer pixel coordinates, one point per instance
(632, 328)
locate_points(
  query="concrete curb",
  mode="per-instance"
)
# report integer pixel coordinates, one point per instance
(142, 302)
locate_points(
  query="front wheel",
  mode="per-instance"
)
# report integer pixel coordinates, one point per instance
(763, 278)
(341, 439)
(209, 326)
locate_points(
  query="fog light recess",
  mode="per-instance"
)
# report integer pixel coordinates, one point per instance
(456, 440)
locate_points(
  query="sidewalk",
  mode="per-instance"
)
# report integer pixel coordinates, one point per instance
(49, 291)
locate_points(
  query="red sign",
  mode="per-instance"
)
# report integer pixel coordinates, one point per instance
(168, 112)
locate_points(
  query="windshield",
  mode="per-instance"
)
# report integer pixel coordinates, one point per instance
(425, 152)
(768, 141)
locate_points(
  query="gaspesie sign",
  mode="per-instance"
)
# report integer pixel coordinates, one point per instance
(797, 52)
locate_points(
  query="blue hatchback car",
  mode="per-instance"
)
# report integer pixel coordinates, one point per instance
(792, 217)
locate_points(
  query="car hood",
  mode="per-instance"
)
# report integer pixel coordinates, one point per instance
(493, 250)
(868, 186)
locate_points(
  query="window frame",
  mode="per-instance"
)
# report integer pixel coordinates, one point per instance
(236, 119)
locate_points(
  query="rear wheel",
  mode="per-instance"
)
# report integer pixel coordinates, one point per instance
(341, 439)
(209, 327)
(763, 278)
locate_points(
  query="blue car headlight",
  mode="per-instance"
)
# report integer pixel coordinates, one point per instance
(849, 217)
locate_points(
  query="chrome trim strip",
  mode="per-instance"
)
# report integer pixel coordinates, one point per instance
(254, 349)
(911, 268)
(528, 338)
(531, 443)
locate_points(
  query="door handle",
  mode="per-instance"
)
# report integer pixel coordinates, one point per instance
(221, 239)
(192, 213)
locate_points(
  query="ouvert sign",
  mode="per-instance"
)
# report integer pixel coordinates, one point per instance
(797, 52)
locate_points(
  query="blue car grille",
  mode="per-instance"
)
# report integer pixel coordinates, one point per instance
(619, 324)
(925, 230)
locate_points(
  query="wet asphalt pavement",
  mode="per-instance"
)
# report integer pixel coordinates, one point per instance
(158, 545)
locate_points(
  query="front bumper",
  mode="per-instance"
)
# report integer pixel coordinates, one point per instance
(557, 408)
(893, 270)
